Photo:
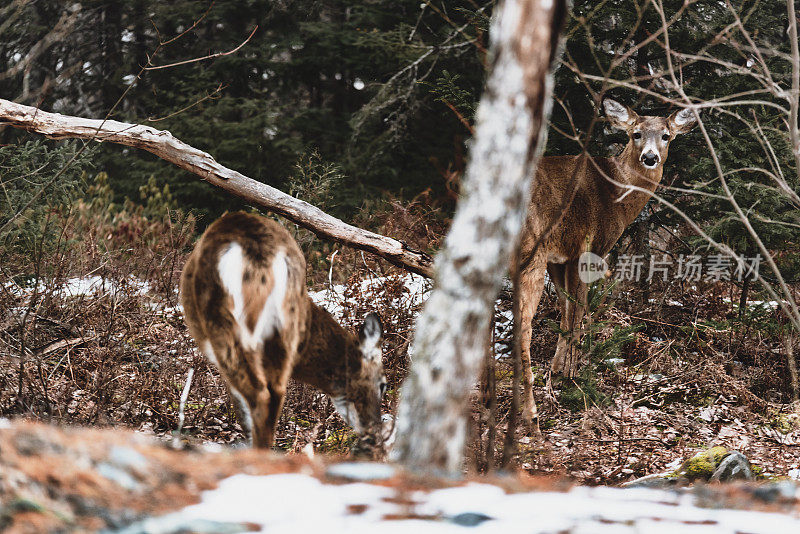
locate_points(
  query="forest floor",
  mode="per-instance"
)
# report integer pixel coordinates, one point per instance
(684, 374)
(661, 384)
(671, 368)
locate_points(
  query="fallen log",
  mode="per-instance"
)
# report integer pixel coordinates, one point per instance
(164, 145)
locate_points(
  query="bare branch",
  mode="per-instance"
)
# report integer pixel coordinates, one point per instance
(208, 96)
(210, 56)
(187, 30)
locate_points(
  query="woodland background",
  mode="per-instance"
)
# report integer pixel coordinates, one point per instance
(365, 109)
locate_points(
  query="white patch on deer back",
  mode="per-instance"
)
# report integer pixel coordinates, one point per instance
(271, 317)
(348, 412)
(231, 270)
(208, 352)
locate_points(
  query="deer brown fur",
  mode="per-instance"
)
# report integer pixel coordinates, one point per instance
(581, 204)
(243, 291)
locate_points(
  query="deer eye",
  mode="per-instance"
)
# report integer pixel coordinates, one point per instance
(383, 389)
(637, 135)
(665, 137)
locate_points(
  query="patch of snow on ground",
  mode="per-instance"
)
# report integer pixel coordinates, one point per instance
(86, 285)
(335, 298)
(794, 474)
(300, 503)
(757, 303)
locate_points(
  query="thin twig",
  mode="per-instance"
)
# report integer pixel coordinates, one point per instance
(182, 406)
(210, 56)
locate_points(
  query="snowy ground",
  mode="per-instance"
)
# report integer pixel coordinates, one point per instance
(84, 480)
(293, 503)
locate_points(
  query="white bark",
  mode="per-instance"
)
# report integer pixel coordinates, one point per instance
(164, 145)
(452, 331)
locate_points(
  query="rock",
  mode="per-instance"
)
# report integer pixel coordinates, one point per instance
(362, 471)
(733, 467)
(716, 464)
(469, 519)
(784, 490)
(656, 481)
(127, 458)
(703, 465)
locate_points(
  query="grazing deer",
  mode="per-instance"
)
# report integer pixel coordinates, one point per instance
(244, 297)
(581, 204)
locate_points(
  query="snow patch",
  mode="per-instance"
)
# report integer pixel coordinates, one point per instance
(336, 297)
(794, 474)
(301, 503)
(84, 286)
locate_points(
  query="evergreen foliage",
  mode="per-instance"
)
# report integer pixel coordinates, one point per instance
(30, 194)
(342, 79)
(385, 91)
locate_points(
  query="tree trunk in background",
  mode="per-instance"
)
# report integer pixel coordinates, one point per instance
(110, 60)
(743, 296)
(641, 247)
(452, 331)
(640, 229)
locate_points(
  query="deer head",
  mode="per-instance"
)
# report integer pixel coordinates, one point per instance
(650, 136)
(360, 405)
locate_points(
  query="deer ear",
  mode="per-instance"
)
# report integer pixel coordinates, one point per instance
(619, 115)
(682, 121)
(370, 333)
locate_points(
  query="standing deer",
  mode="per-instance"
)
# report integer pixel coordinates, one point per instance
(558, 230)
(243, 291)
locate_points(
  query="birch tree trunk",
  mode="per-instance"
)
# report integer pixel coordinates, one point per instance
(452, 331)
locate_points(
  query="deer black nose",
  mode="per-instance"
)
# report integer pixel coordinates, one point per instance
(650, 159)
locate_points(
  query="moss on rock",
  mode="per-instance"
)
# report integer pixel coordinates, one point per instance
(703, 464)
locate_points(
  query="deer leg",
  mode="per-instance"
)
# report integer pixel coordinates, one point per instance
(263, 432)
(277, 394)
(526, 301)
(277, 368)
(556, 272)
(243, 414)
(567, 355)
(225, 354)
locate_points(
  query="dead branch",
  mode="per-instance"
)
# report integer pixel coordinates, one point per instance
(164, 145)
